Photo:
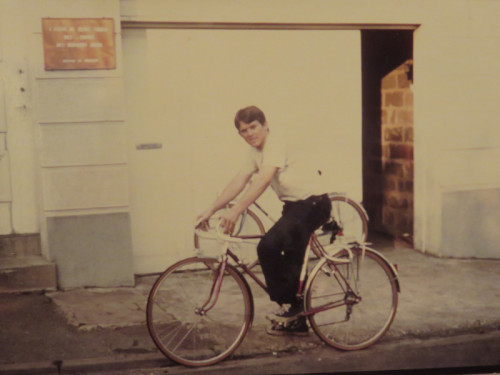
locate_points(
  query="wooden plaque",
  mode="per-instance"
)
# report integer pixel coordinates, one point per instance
(79, 43)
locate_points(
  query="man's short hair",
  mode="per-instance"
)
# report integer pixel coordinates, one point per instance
(248, 115)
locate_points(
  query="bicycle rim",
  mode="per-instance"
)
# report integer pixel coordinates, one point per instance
(248, 224)
(352, 220)
(354, 324)
(175, 324)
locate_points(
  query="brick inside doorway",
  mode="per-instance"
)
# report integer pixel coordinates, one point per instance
(387, 76)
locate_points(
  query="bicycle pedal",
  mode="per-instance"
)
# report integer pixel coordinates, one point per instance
(273, 321)
(276, 324)
(278, 320)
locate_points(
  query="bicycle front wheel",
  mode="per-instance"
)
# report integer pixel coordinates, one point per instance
(179, 317)
(351, 219)
(354, 303)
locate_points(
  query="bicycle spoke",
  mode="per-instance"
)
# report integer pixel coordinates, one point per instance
(180, 326)
(172, 335)
(369, 296)
(182, 339)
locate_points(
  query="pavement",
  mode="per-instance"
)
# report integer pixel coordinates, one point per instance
(97, 328)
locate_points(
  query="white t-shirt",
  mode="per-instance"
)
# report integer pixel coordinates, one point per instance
(293, 181)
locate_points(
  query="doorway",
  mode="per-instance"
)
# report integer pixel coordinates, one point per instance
(387, 122)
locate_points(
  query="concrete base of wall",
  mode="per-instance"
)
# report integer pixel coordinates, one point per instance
(470, 224)
(92, 251)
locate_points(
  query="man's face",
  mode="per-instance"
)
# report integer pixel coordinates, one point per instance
(255, 133)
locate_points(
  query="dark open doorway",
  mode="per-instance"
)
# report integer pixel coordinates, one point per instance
(387, 75)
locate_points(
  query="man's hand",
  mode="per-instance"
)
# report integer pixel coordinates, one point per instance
(228, 220)
(202, 219)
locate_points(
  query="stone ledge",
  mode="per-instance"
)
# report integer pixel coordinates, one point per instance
(27, 274)
(20, 244)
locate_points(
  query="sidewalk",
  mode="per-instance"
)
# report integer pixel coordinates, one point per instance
(439, 297)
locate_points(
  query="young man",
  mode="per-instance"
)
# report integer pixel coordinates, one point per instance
(281, 250)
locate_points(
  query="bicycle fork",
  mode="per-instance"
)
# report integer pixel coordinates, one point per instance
(215, 290)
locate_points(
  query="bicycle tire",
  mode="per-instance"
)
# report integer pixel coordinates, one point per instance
(352, 325)
(248, 224)
(176, 325)
(350, 217)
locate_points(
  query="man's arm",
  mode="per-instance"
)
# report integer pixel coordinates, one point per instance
(233, 188)
(257, 187)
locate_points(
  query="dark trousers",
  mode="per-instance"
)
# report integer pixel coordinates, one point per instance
(281, 250)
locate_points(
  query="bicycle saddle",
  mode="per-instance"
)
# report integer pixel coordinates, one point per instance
(331, 226)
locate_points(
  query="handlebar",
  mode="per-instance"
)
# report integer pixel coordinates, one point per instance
(218, 234)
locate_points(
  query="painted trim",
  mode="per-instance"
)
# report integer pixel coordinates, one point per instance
(262, 26)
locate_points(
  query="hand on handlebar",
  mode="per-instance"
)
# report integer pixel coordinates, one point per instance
(202, 220)
(228, 221)
(219, 231)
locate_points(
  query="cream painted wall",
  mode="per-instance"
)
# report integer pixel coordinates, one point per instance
(314, 11)
(83, 167)
(184, 87)
(20, 214)
(456, 81)
(66, 145)
(31, 96)
(5, 189)
(456, 96)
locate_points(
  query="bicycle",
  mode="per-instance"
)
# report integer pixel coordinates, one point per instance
(200, 309)
(348, 223)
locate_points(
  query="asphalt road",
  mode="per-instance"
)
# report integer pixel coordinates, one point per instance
(466, 354)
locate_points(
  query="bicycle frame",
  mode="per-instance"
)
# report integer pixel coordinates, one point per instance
(272, 220)
(317, 249)
(313, 244)
(186, 318)
(261, 213)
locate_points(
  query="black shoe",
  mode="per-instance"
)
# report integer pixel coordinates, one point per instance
(297, 327)
(286, 314)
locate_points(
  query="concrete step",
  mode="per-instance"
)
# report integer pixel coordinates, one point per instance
(19, 245)
(29, 273)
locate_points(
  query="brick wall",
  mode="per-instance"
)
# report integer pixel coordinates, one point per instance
(397, 151)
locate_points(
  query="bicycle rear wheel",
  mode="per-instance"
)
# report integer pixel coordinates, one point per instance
(248, 224)
(365, 294)
(176, 316)
(351, 220)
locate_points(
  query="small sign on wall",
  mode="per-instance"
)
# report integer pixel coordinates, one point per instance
(78, 43)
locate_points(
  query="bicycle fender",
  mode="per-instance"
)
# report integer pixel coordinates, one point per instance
(392, 269)
(312, 273)
(391, 266)
(347, 198)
